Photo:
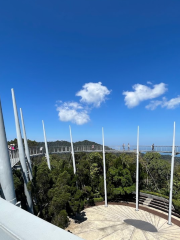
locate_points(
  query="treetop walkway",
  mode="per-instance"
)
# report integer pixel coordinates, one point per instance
(38, 151)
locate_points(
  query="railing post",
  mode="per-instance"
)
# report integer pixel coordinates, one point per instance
(22, 154)
(171, 181)
(26, 146)
(6, 178)
(47, 152)
(72, 151)
(137, 172)
(104, 167)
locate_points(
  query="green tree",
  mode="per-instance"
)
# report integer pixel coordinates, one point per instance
(61, 219)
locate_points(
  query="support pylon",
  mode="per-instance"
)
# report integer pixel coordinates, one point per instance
(171, 181)
(26, 146)
(104, 167)
(137, 172)
(6, 177)
(22, 155)
(72, 152)
(47, 152)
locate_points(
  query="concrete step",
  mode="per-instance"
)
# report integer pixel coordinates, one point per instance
(147, 201)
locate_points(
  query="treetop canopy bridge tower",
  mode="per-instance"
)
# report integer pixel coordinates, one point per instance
(9, 158)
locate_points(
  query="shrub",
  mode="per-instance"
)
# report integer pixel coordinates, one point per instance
(154, 193)
(98, 199)
(176, 204)
(61, 220)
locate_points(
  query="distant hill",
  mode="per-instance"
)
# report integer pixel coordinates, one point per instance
(58, 143)
(85, 143)
(68, 144)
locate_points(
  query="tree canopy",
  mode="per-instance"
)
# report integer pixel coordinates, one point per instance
(59, 193)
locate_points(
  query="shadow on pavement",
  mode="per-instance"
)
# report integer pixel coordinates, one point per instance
(80, 217)
(145, 226)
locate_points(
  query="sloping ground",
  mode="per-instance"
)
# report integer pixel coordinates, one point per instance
(117, 222)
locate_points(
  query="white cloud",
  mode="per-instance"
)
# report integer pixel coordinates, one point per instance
(171, 104)
(154, 104)
(73, 112)
(93, 93)
(74, 105)
(148, 82)
(142, 93)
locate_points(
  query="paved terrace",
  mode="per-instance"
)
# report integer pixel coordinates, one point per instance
(117, 222)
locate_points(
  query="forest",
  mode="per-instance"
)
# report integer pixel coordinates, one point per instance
(59, 194)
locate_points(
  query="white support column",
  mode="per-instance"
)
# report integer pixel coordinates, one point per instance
(171, 181)
(47, 152)
(26, 146)
(104, 167)
(22, 155)
(72, 151)
(6, 177)
(137, 172)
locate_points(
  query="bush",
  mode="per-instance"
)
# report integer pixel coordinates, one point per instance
(154, 193)
(98, 199)
(176, 204)
(61, 220)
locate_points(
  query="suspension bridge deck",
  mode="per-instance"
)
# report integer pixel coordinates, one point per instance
(35, 151)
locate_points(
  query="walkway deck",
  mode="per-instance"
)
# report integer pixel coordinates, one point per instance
(35, 151)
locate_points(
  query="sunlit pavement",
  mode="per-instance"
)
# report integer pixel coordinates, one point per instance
(117, 222)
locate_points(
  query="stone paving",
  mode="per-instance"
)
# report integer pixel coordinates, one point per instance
(117, 222)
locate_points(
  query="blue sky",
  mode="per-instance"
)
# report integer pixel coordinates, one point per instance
(90, 64)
